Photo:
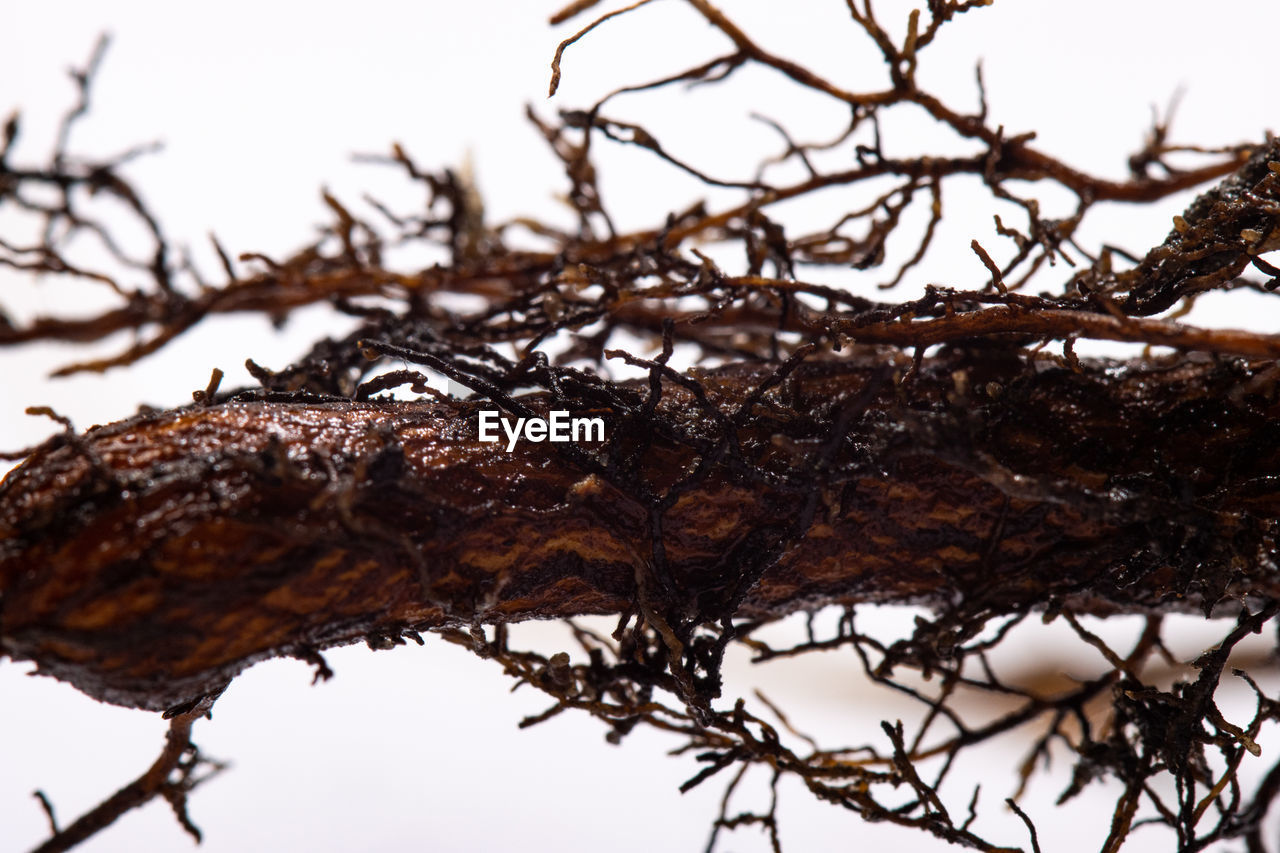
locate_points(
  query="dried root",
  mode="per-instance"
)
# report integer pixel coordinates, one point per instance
(783, 445)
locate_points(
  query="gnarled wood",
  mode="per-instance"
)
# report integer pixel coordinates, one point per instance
(150, 560)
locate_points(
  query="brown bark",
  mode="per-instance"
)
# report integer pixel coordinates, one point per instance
(150, 560)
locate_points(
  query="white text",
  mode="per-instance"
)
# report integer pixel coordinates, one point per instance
(557, 427)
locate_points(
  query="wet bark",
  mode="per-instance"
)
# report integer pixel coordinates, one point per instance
(148, 561)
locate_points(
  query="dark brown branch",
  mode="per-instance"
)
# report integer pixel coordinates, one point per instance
(261, 528)
(179, 756)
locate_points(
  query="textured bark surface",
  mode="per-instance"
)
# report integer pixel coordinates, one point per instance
(150, 560)
(895, 426)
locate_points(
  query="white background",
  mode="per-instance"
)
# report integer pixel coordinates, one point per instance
(260, 104)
